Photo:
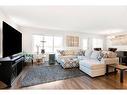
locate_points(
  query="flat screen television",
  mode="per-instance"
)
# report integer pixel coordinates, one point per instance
(12, 41)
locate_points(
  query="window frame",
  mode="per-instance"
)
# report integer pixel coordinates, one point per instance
(43, 38)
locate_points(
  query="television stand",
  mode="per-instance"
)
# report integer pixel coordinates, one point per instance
(11, 68)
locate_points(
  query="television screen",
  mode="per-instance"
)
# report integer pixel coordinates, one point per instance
(12, 40)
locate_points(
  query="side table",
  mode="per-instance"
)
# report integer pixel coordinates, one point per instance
(40, 59)
(28, 58)
(122, 68)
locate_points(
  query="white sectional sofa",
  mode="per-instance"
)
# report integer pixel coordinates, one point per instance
(68, 58)
(94, 66)
(90, 62)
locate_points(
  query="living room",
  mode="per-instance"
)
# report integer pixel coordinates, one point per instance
(55, 41)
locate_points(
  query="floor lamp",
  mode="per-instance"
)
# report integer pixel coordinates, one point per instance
(43, 50)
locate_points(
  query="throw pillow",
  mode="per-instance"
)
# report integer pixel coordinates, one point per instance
(61, 52)
(88, 53)
(81, 53)
(95, 54)
(100, 56)
(104, 54)
(111, 54)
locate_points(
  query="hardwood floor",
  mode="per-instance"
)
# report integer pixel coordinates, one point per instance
(83, 82)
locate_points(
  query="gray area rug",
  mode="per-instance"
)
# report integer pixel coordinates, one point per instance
(44, 74)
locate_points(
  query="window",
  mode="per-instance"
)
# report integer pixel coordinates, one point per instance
(52, 43)
(97, 43)
(85, 43)
(48, 45)
(37, 43)
(58, 43)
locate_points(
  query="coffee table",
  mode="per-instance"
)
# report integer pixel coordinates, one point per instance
(122, 68)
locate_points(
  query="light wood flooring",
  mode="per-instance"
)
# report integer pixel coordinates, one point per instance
(83, 82)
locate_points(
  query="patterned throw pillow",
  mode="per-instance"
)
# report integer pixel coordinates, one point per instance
(101, 56)
(81, 53)
(61, 52)
(109, 54)
(104, 54)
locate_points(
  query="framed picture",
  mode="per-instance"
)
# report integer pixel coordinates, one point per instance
(119, 40)
(72, 41)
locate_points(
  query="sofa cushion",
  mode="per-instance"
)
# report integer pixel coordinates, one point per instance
(68, 52)
(68, 56)
(95, 54)
(70, 62)
(91, 64)
(81, 57)
(88, 53)
(76, 52)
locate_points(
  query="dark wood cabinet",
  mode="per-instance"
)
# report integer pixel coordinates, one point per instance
(122, 56)
(10, 69)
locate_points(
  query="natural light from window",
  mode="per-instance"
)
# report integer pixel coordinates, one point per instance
(85, 44)
(58, 43)
(37, 43)
(52, 43)
(48, 45)
(97, 43)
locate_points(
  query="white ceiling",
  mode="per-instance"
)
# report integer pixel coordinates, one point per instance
(92, 19)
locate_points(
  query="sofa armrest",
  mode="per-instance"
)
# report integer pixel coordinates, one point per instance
(110, 60)
(57, 55)
(81, 57)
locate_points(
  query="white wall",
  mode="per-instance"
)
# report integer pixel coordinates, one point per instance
(1, 17)
(4, 17)
(27, 33)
